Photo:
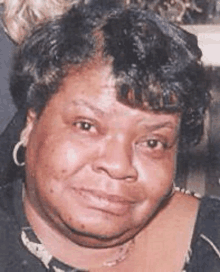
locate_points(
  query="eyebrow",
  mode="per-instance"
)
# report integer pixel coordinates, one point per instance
(153, 127)
(84, 103)
(98, 111)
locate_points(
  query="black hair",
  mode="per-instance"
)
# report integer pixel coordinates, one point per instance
(156, 64)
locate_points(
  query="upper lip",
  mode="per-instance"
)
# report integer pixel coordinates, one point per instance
(110, 197)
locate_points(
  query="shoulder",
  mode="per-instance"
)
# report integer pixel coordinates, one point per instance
(13, 255)
(8, 228)
(6, 206)
(208, 219)
(182, 206)
(207, 227)
(205, 246)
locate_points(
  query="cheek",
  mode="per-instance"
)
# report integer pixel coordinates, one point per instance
(155, 177)
(157, 174)
(57, 158)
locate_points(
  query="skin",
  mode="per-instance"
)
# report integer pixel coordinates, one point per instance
(96, 170)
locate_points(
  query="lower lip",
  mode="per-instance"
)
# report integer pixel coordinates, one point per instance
(103, 204)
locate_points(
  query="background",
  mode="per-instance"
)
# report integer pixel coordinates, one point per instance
(7, 108)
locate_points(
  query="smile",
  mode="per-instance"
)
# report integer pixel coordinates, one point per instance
(99, 200)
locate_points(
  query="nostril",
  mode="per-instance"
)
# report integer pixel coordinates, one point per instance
(115, 170)
(131, 179)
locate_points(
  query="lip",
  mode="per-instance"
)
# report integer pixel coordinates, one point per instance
(99, 200)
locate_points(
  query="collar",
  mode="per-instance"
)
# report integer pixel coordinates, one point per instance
(35, 247)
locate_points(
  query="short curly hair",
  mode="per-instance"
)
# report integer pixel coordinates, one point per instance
(155, 63)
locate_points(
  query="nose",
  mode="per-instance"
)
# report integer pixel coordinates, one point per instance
(115, 159)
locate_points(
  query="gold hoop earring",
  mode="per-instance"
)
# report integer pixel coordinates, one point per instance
(15, 152)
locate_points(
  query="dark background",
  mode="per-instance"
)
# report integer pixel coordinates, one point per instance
(7, 108)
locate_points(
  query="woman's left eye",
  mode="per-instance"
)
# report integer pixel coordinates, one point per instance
(153, 145)
(84, 125)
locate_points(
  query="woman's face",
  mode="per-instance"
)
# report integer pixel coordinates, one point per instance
(97, 170)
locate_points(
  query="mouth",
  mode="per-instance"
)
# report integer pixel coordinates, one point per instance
(102, 201)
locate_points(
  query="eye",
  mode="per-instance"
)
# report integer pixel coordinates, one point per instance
(84, 125)
(153, 143)
(152, 146)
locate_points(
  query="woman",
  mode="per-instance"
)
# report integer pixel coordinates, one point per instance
(111, 94)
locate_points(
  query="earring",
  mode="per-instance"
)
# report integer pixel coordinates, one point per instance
(15, 153)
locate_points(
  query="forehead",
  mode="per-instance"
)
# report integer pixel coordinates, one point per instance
(92, 82)
(93, 89)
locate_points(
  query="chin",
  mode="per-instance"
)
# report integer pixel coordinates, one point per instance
(98, 235)
(95, 240)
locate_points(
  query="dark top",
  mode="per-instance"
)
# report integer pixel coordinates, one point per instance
(14, 257)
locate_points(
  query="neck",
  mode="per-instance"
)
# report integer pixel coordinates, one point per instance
(69, 252)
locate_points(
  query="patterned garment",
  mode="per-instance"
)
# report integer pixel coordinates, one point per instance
(32, 243)
(210, 243)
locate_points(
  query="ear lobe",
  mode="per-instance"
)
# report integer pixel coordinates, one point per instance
(30, 121)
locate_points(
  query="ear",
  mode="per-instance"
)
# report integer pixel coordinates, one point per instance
(30, 122)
